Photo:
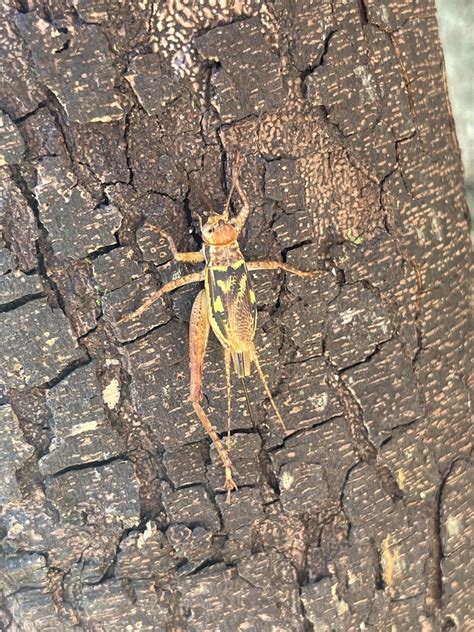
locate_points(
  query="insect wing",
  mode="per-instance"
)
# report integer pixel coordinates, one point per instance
(232, 305)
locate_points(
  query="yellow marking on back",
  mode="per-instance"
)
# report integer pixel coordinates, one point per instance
(253, 298)
(218, 305)
(243, 285)
(225, 285)
(237, 264)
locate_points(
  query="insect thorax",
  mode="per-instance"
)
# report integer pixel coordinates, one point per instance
(221, 255)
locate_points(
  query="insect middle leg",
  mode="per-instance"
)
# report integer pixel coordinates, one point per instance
(198, 335)
(253, 266)
(195, 277)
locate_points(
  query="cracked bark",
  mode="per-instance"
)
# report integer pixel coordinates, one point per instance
(117, 116)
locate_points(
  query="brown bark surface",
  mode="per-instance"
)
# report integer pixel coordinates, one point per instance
(118, 115)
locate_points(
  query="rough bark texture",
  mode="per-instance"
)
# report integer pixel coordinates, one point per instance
(117, 115)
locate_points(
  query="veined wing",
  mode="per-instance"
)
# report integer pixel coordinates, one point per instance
(232, 305)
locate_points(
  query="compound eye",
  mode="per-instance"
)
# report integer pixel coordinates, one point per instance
(207, 231)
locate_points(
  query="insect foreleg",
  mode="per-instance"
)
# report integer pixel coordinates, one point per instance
(184, 257)
(168, 287)
(198, 335)
(261, 375)
(253, 266)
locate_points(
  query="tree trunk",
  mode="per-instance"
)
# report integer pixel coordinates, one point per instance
(118, 117)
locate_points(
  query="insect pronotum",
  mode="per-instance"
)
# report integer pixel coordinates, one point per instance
(227, 305)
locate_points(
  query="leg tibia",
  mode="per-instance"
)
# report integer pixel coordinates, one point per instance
(279, 265)
(221, 450)
(267, 389)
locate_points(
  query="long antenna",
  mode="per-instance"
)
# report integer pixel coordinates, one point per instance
(226, 207)
(235, 172)
(249, 407)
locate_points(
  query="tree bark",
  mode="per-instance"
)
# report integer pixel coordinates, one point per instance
(118, 116)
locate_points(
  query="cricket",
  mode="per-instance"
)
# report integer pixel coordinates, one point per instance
(227, 305)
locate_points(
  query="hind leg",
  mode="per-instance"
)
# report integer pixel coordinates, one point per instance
(227, 361)
(198, 335)
(263, 380)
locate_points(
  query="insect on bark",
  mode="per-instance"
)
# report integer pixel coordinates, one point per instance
(227, 305)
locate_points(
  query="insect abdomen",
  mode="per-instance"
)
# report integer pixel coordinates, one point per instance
(232, 310)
